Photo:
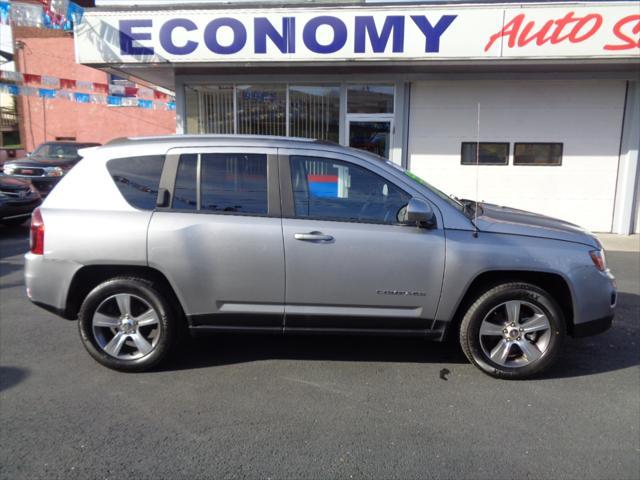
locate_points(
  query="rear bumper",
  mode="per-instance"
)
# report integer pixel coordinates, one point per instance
(47, 282)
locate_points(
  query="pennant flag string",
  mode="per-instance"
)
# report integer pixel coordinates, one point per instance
(69, 84)
(53, 14)
(86, 98)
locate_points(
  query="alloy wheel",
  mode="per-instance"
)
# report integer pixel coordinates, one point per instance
(515, 333)
(126, 326)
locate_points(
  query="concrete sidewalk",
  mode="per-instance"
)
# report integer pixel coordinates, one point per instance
(620, 243)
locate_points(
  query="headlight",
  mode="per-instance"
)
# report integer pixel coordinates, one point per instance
(54, 171)
(597, 257)
(8, 169)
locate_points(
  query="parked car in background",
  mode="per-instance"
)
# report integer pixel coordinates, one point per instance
(18, 198)
(47, 164)
(278, 235)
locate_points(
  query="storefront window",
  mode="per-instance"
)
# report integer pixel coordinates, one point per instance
(261, 109)
(217, 109)
(370, 99)
(314, 112)
(209, 109)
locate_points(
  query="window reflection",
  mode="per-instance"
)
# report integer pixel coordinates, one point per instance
(370, 99)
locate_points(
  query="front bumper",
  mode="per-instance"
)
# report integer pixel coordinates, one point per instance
(43, 184)
(593, 327)
(17, 209)
(595, 300)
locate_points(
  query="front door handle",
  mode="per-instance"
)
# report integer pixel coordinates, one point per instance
(313, 237)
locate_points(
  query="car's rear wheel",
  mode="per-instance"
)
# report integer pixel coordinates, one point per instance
(127, 324)
(514, 330)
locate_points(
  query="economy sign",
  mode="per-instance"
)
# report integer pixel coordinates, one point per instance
(353, 34)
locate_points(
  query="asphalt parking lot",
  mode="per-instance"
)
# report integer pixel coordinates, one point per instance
(312, 407)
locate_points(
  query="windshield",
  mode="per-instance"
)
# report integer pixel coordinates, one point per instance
(450, 199)
(56, 150)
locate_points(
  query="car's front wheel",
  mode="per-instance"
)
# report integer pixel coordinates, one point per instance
(514, 330)
(127, 324)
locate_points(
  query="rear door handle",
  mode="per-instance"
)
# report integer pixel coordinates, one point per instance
(313, 237)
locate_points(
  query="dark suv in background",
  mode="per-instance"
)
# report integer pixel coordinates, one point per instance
(47, 164)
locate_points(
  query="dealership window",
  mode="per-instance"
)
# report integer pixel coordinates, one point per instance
(296, 110)
(370, 98)
(333, 190)
(487, 153)
(314, 112)
(216, 109)
(261, 109)
(537, 154)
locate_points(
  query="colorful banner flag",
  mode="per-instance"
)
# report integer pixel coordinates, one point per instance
(145, 103)
(30, 78)
(78, 97)
(74, 15)
(65, 95)
(81, 97)
(100, 87)
(84, 85)
(27, 15)
(50, 81)
(47, 93)
(115, 101)
(5, 12)
(66, 83)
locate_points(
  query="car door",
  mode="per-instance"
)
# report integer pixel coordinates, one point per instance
(218, 237)
(350, 264)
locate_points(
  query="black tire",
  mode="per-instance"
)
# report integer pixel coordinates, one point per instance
(168, 324)
(485, 305)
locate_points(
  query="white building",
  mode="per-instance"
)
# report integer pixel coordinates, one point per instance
(550, 90)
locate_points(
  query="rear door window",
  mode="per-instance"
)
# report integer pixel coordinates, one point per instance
(137, 178)
(231, 183)
(234, 183)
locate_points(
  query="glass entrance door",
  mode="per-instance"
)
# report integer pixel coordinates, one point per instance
(371, 134)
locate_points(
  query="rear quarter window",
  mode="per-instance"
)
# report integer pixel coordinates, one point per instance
(137, 178)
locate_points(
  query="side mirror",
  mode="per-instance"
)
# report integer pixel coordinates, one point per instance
(419, 213)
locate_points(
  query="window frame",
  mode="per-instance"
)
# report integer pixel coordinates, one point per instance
(170, 171)
(288, 195)
(559, 164)
(505, 163)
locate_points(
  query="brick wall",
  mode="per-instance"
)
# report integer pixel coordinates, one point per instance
(46, 52)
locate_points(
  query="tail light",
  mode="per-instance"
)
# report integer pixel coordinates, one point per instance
(36, 240)
(597, 257)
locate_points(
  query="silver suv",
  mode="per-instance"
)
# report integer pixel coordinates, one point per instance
(147, 237)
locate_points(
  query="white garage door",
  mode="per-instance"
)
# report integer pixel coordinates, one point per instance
(585, 116)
